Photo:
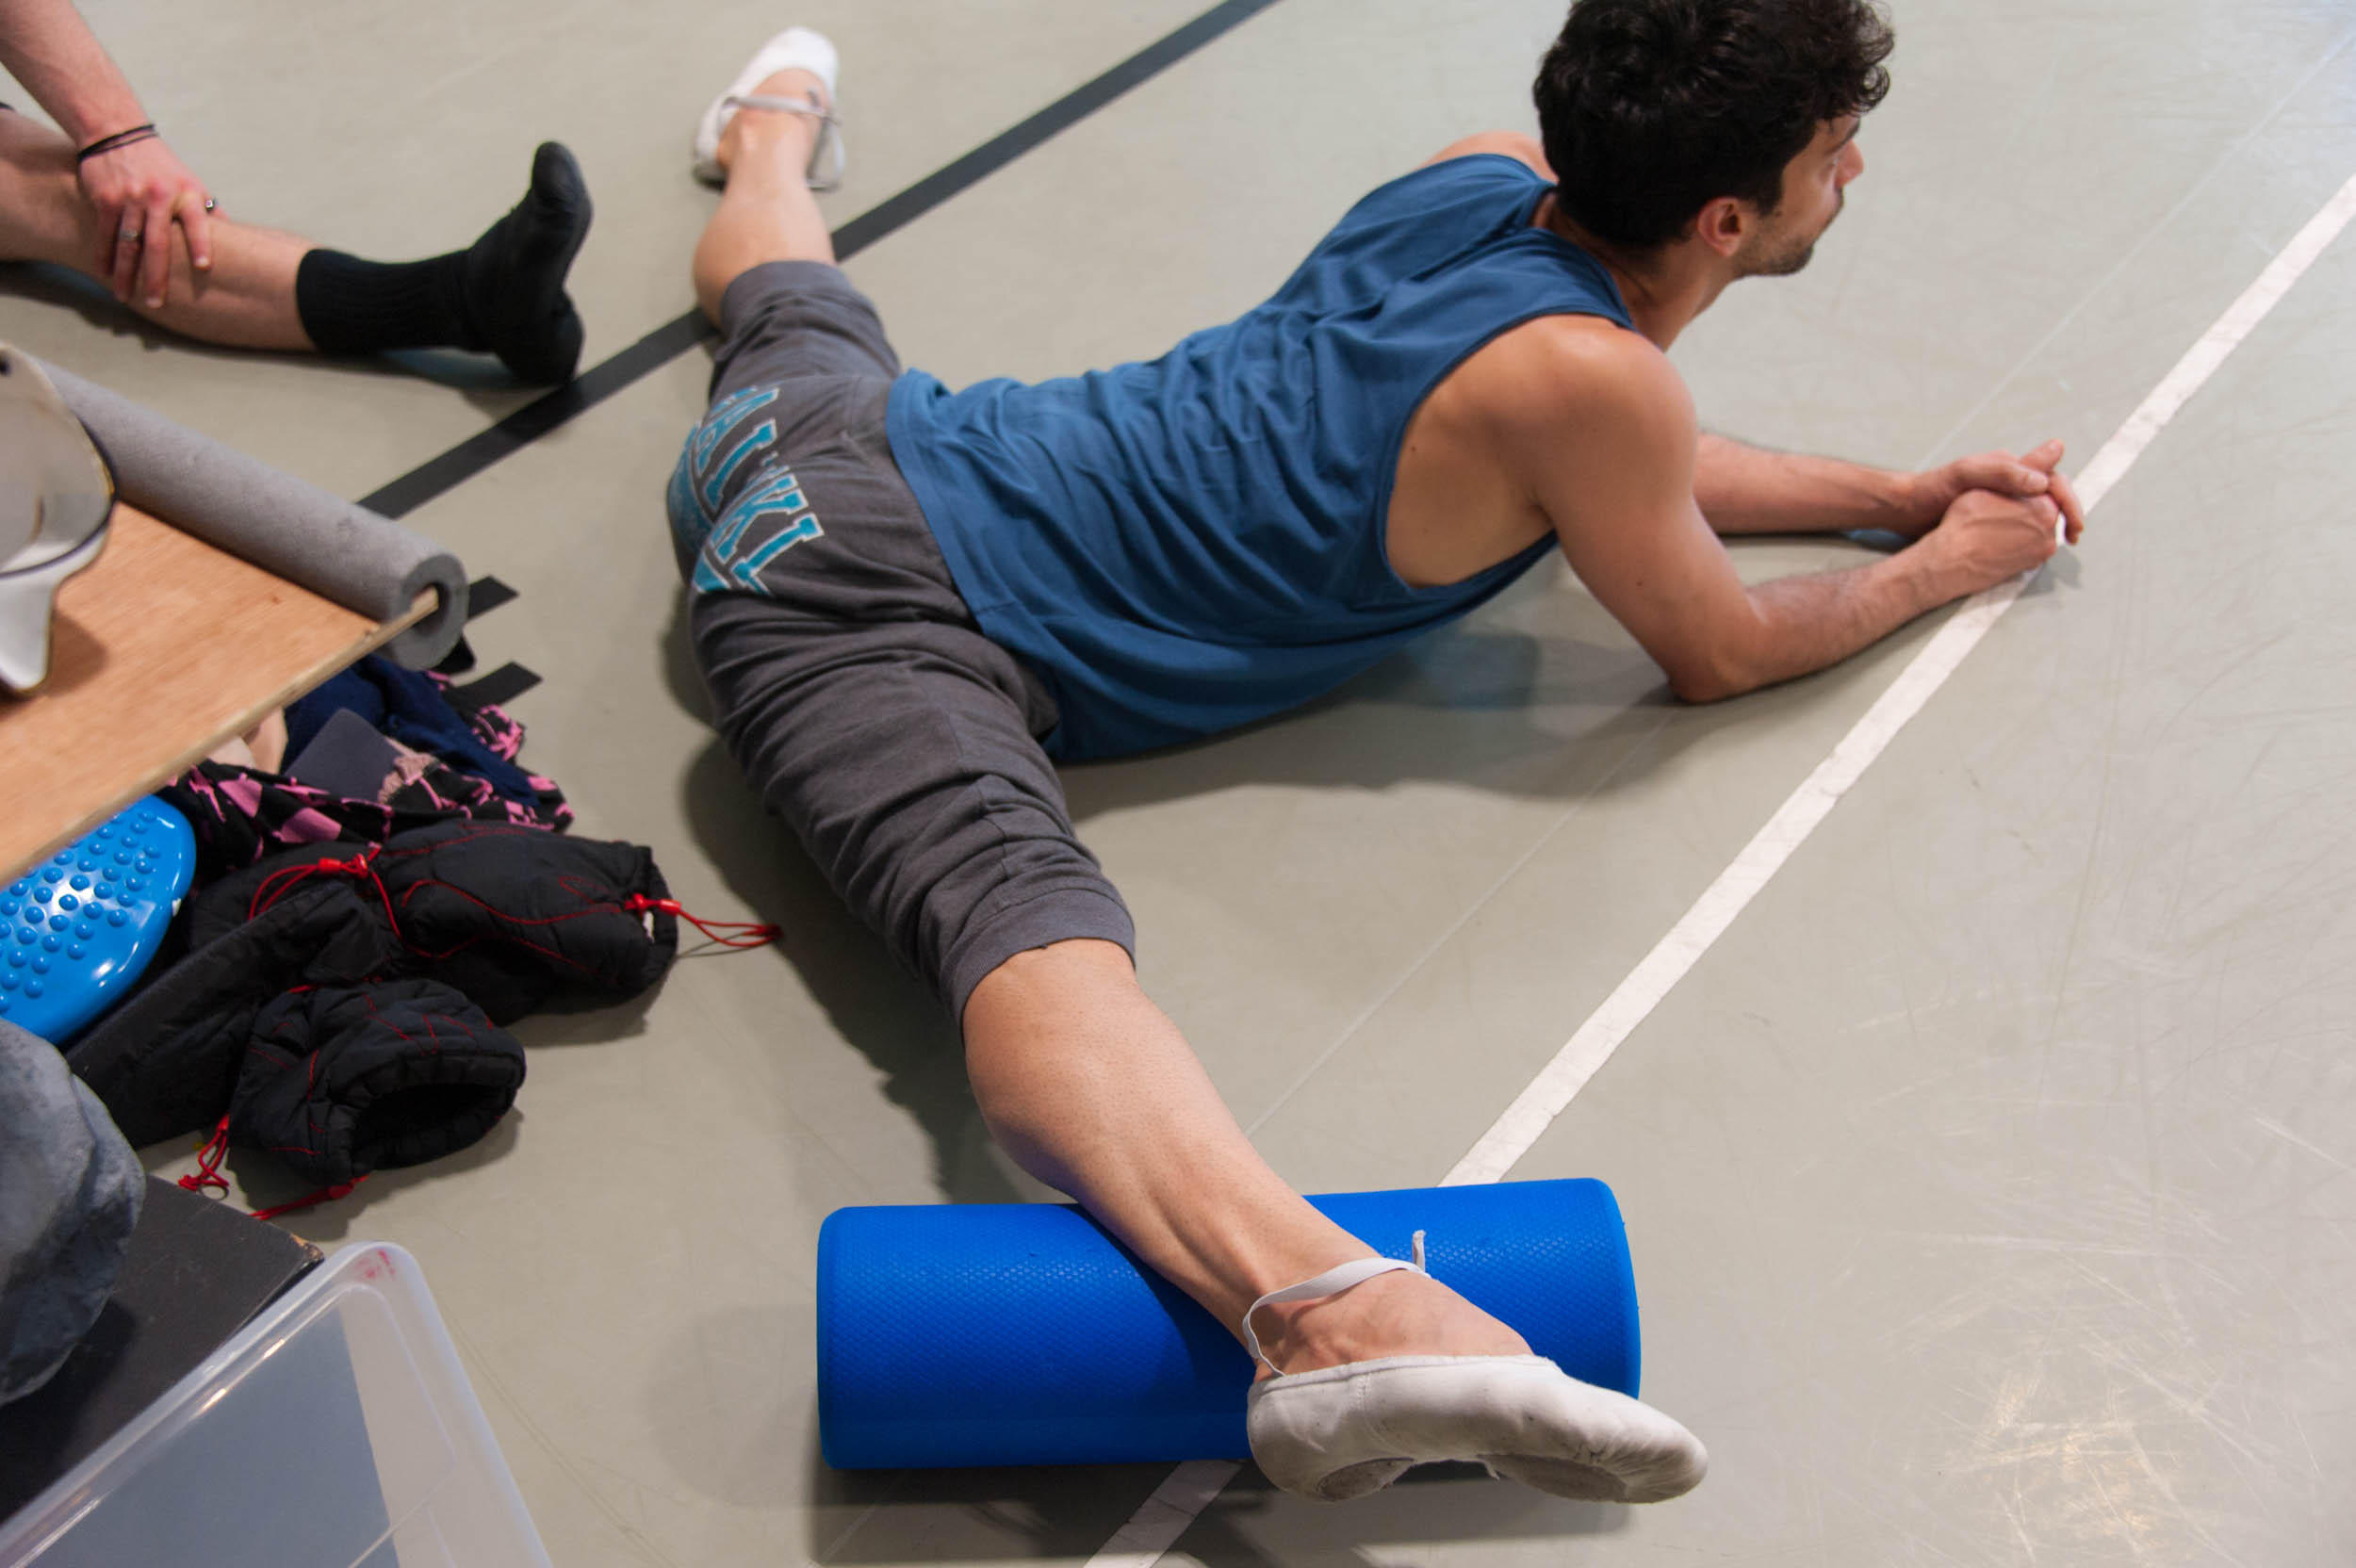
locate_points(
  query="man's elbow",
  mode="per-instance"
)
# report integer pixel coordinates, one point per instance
(1704, 687)
(1725, 656)
(1710, 676)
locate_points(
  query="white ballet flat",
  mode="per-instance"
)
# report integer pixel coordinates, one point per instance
(795, 49)
(1345, 1431)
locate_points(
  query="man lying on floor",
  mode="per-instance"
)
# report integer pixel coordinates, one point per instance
(909, 602)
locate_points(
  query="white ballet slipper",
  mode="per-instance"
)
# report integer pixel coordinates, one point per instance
(1345, 1431)
(795, 49)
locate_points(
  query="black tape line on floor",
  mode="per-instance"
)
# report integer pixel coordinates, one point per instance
(673, 338)
(529, 423)
(505, 684)
(487, 594)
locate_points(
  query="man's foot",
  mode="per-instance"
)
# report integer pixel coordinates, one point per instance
(513, 295)
(1398, 1370)
(783, 132)
(1350, 1430)
(796, 68)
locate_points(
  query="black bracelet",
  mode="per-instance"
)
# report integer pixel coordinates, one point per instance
(120, 138)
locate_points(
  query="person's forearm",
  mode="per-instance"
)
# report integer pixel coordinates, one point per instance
(46, 46)
(1803, 624)
(1746, 490)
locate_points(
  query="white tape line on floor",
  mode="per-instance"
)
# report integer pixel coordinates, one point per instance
(1511, 1136)
(1158, 1526)
(1155, 1528)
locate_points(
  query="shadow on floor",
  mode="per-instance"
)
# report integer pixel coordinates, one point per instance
(1486, 710)
(1468, 708)
(877, 1007)
(874, 1005)
(1072, 1513)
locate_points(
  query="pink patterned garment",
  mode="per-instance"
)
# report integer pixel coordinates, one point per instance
(240, 814)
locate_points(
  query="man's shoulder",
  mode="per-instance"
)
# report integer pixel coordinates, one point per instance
(1522, 149)
(1559, 375)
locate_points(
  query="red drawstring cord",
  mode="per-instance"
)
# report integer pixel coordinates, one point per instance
(324, 1195)
(208, 1161)
(278, 884)
(746, 933)
(208, 1175)
(750, 933)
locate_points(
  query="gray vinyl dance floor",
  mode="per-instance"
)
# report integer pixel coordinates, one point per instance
(1991, 1180)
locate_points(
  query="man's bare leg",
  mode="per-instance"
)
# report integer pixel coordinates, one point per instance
(766, 210)
(1093, 1090)
(245, 301)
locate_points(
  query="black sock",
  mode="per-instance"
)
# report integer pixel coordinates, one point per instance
(504, 294)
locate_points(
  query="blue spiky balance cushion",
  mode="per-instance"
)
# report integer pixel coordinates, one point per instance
(77, 929)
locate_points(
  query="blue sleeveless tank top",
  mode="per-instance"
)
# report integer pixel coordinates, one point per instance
(1181, 546)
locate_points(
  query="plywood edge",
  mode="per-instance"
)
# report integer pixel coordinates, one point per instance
(248, 717)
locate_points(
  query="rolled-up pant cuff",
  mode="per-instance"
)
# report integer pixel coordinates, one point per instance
(1066, 914)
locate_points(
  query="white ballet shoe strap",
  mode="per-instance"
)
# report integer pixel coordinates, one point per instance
(809, 108)
(1331, 1282)
(826, 150)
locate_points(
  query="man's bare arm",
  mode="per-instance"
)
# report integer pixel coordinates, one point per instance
(1745, 489)
(1612, 462)
(139, 189)
(46, 45)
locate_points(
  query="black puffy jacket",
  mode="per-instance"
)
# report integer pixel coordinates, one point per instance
(380, 978)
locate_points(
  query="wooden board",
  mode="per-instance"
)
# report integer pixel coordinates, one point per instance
(159, 652)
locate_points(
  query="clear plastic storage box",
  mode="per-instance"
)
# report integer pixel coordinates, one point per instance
(335, 1430)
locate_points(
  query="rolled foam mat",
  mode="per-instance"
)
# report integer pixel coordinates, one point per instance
(1022, 1334)
(365, 563)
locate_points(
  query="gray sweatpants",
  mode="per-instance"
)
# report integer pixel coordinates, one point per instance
(850, 682)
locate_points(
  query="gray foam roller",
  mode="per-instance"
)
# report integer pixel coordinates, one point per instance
(365, 563)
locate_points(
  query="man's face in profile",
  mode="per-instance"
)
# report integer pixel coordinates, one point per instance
(1814, 183)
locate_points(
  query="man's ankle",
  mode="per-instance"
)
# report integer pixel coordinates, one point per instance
(1391, 1314)
(783, 134)
(756, 134)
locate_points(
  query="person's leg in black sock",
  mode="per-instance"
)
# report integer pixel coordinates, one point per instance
(504, 294)
(270, 289)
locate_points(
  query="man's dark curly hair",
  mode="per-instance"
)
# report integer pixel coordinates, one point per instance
(1650, 108)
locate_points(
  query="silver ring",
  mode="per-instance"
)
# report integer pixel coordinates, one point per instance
(126, 234)
(210, 203)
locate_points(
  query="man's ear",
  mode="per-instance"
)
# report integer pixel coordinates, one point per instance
(1724, 224)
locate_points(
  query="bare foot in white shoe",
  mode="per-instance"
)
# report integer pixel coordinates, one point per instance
(750, 122)
(790, 79)
(1373, 1367)
(1400, 1312)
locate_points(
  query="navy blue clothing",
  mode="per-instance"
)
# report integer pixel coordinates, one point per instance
(1182, 545)
(407, 705)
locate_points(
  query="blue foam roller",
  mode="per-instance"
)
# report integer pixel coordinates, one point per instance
(1022, 1334)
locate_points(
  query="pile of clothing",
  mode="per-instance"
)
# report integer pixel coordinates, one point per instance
(380, 891)
(367, 922)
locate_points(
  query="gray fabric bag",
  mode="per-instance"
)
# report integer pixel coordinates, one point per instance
(69, 1190)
